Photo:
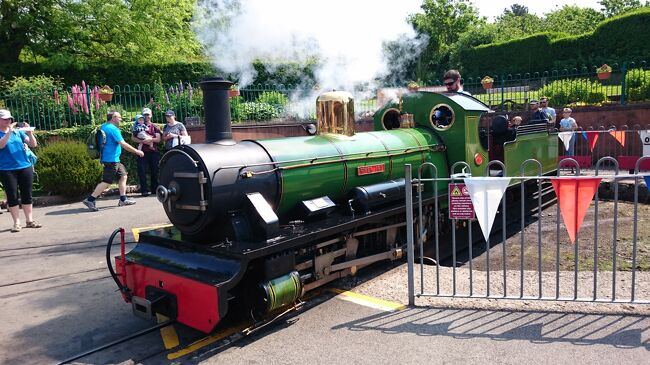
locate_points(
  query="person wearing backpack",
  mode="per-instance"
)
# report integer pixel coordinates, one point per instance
(16, 168)
(110, 152)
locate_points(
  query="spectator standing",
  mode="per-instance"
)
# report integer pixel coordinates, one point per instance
(16, 170)
(110, 159)
(151, 156)
(173, 129)
(568, 124)
(550, 112)
(537, 116)
(453, 82)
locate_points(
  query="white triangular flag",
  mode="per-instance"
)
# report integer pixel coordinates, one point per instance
(565, 137)
(486, 193)
(645, 139)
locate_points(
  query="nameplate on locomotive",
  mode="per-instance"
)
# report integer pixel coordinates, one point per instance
(371, 169)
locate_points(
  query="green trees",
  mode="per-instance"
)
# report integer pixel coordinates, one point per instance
(442, 21)
(62, 31)
(32, 24)
(518, 41)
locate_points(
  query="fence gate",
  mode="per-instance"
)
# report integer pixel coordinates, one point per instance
(579, 235)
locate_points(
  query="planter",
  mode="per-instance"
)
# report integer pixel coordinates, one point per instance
(604, 75)
(487, 85)
(105, 97)
(233, 93)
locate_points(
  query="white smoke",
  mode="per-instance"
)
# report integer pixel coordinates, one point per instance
(346, 35)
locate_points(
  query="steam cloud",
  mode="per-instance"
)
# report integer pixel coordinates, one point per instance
(346, 35)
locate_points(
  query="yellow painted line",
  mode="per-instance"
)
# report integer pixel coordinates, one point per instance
(168, 334)
(136, 231)
(368, 301)
(207, 341)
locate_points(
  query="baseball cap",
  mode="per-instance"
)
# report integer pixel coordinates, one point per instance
(5, 114)
(169, 113)
(146, 111)
(534, 101)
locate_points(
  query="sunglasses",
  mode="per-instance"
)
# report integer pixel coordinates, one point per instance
(449, 83)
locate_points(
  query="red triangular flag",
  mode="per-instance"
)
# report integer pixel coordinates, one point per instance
(574, 196)
(619, 135)
(592, 137)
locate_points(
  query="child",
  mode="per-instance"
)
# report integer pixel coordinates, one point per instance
(140, 130)
(568, 124)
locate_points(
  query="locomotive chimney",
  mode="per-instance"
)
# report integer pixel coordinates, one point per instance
(217, 110)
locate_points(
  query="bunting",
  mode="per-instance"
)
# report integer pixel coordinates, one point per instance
(574, 196)
(566, 137)
(645, 139)
(486, 194)
(619, 135)
(592, 137)
(584, 135)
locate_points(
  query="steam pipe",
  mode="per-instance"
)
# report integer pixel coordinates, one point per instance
(216, 106)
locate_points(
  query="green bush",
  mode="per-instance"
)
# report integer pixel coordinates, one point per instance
(33, 99)
(637, 83)
(275, 98)
(65, 168)
(256, 111)
(565, 92)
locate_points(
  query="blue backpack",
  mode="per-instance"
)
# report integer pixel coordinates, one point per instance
(95, 143)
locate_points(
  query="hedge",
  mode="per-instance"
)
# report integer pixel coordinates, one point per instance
(616, 40)
(288, 74)
(112, 74)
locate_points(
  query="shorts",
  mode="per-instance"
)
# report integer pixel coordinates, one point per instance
(112, 169)
(13, 180)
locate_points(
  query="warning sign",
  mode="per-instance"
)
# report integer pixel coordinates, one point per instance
(460, 203)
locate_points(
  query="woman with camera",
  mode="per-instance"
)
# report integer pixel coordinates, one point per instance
(16, 168)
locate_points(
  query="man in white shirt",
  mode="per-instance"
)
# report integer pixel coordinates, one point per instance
(550, 112)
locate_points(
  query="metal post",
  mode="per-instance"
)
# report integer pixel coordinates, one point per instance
(623, 74)
(409, 233)
(503, 87)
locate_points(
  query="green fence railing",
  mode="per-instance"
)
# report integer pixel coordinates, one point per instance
(623, 84)
(83, 104)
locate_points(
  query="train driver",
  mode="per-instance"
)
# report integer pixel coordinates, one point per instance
(453, 82)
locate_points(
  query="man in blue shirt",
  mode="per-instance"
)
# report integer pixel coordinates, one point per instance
(110, 159)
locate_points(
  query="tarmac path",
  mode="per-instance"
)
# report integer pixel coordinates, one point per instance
(58, 300)
(55, 291)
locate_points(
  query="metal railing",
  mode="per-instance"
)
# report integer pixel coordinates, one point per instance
(528, 253)
(629, 82)
(588, 146)
(83, 105)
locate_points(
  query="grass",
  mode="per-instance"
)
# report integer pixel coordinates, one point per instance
(520, 97)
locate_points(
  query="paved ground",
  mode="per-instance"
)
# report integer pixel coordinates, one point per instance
(58, 300)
